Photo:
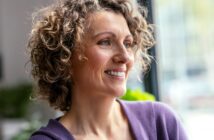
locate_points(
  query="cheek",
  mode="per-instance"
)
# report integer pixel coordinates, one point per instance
(96, 67)
(98, 60)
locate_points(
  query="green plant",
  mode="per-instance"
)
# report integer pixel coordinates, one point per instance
(137, 95)
(25, 133)
(14, 100)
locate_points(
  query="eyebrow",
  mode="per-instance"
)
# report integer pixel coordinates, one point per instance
(111, 33)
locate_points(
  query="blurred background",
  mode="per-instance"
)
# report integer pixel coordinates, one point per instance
(18, 114)
(185, 54)
(182, 74)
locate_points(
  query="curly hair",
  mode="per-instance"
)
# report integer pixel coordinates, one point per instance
(56, 31)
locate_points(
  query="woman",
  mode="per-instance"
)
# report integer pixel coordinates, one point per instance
(81, 54)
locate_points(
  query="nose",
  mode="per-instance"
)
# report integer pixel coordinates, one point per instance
(122, 55)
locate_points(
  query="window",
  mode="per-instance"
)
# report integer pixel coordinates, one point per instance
(185, 61)
(1, 67)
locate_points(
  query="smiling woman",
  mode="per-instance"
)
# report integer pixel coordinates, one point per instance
(82, 52)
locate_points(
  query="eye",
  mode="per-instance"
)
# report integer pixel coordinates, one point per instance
(104, 42)
(128, 44)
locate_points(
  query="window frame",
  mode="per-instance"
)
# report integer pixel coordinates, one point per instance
(150, 78)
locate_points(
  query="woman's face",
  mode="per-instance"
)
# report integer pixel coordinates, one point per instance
(108, 48)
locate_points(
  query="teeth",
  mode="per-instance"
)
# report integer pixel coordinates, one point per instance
(114, 73)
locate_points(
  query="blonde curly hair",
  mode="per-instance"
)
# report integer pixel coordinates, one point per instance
(56, 31)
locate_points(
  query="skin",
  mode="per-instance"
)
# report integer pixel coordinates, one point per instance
(95, 113)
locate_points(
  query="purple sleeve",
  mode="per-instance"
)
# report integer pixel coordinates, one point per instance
(168, 125)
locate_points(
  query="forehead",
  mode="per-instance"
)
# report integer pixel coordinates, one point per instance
(106, 21)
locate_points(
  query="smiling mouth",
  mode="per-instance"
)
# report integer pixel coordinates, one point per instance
(115, 73)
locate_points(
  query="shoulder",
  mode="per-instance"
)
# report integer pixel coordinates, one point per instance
(52, 131)
(40, 137)
(165, 115)
(158, 109)
(164, 111)
(45, 132)
(168, 123)
(159, 116)
(136, 106)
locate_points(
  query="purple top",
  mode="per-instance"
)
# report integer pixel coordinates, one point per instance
(148, 121)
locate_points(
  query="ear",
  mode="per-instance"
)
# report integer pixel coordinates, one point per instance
(79, 52)
(82, 57)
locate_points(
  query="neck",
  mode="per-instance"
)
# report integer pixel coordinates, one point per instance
(92, 115)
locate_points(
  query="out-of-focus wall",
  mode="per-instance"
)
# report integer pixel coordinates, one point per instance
(15, 24)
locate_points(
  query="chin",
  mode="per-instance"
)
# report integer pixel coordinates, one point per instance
(119, 92)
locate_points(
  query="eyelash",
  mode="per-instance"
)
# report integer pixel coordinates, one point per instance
(129, 43)
(104, 42)
(108, 42)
